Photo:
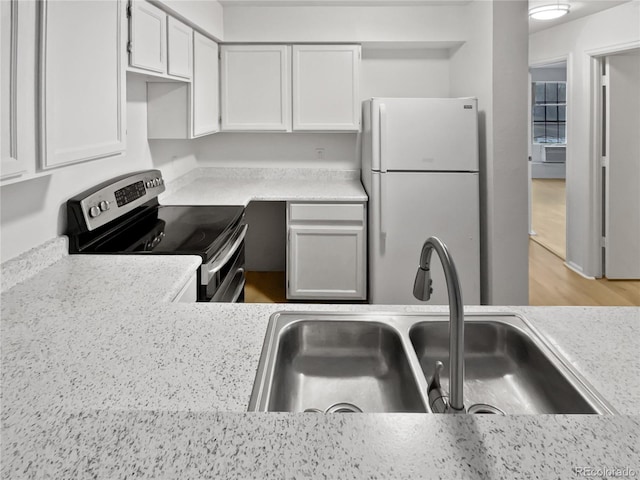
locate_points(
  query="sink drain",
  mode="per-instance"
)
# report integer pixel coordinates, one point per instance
(484, 408)
(342, 407)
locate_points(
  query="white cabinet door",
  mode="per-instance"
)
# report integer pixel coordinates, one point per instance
(82, 111)
(326, 87)
(148, 37)
(326, 251)
(326, 262)
(205, 88)
(180, 48)
(255, 87)
(11, 164)
(181, 110)
(189, 292)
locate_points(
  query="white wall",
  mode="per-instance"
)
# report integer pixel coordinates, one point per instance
(206, 16)
(492, 67)
(343, 23)
(611, 29)
(281, 150)
(34, 211)
(417, 72)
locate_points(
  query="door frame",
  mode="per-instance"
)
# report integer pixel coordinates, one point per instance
(596, 191)
(567, 60)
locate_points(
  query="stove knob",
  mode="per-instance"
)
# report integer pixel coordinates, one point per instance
(104, 205)
(94, 212)
(156, 182)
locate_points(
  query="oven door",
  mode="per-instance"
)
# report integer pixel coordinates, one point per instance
(222, 279)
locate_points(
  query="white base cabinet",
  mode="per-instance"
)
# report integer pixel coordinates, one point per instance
(326, 251)
(189, 292)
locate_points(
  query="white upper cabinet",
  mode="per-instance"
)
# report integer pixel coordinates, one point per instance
(326, 87)
(11, 164)
(82, 81)
(284, 88)
(147, 37)
(205, 87)
(256, 87)
(180, 47)
(181, 110)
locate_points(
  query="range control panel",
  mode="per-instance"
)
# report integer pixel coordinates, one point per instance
(110, 200)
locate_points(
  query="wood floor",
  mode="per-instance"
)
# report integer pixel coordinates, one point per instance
(548, 214)
(552, 283)
(265, 287)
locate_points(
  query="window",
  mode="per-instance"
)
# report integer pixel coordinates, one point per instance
(549, 112)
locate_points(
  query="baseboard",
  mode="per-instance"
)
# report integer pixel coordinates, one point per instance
(575, 268)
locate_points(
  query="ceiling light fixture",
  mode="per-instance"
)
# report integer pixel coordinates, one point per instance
(549, 12)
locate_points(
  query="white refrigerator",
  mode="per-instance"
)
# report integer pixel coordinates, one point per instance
(420, 170)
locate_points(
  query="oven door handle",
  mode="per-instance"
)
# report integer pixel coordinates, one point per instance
(231, 290)
(224, 256)
(240, 288)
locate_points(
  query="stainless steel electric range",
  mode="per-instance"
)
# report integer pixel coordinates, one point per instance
(123, 216)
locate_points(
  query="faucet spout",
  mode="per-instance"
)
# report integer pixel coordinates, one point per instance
(422, 291)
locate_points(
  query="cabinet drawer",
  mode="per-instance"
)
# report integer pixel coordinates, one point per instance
(353, 212)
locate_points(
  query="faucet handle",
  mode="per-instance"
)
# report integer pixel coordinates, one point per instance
(437, 399)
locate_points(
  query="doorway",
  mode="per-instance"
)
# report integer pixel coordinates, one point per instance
(548, 156)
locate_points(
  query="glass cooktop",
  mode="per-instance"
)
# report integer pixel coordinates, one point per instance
(197, 230)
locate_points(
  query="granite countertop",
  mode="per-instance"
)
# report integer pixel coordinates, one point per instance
(239, 186)
(104, 377)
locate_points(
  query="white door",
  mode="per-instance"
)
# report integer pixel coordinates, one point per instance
(404, 210)
(82, 81)
(205, 94)
(256, 87)
(622, 190)
(326, 87)
(180, 48)
(424, 134)
(148, 37)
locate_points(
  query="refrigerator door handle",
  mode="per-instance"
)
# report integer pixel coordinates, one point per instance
(383, 142)
(382, 202)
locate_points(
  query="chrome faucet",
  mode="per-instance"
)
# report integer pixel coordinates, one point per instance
(422, 290)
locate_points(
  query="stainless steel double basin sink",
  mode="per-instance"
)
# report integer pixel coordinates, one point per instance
(381, 362)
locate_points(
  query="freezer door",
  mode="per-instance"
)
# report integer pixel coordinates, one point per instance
(424, 134)
(407, 208)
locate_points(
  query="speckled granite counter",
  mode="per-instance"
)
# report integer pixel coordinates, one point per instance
(102, 377)
(239, 186)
